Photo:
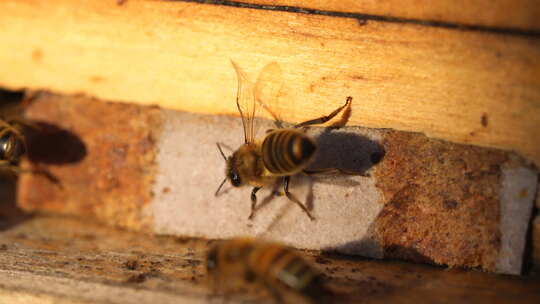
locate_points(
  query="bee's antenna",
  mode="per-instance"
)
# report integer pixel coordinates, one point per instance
(220, 185)
(225, 179)
(222, 154)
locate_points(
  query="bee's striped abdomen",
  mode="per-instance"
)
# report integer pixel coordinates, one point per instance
(283, 266)
(286, 152)
(233, 263)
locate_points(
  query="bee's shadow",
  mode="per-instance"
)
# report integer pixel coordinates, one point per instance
(342, 149)
(347, 151)
(50, 144)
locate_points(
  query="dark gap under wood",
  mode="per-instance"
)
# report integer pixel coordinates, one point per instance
(363, 18)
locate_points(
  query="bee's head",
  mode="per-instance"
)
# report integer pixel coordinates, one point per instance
(232, 173)
(11, 148)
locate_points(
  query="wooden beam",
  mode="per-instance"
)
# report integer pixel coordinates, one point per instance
(501, 14)
(77, 261)
(468, 87)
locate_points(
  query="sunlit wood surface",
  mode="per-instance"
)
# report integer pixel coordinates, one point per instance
(470, 86)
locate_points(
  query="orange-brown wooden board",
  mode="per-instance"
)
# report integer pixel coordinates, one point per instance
(76, 261)
(509, 14)
(464, 86)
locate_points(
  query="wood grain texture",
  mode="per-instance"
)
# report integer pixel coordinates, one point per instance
(75, 261)
(522, 14)
(28, 296)
(535, 236)
(467, 87)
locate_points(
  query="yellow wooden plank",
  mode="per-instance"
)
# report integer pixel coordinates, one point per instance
(75, 261)
(470, 87)
(521, 14)
(27, 297)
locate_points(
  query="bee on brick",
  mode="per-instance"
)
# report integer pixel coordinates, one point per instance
(282, 153)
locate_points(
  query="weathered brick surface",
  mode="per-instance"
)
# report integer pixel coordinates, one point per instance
(156, 170)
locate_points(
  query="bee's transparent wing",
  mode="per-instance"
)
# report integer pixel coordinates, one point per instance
(245, 102)
(267, 90)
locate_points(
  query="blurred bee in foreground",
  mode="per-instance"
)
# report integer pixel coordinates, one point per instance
(12, 145)
(282, 153)
(235, 264)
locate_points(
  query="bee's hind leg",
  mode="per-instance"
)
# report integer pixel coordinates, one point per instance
(4, 164)
(330, 171)
(293, 198)
(14, 169)
(8, 127)
(253, 201)
(324, 119)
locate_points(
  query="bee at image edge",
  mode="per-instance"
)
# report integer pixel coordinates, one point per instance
(282, 153)
(12, 145)
(235, 263)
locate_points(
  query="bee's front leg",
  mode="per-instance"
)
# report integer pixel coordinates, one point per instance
(253, 201)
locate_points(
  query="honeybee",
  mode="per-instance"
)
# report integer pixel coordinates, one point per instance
(12, 145)
(283, 152)
(237, 263)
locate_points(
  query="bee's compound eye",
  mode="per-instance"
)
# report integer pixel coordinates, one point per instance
(10, 147)
(235, 179)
